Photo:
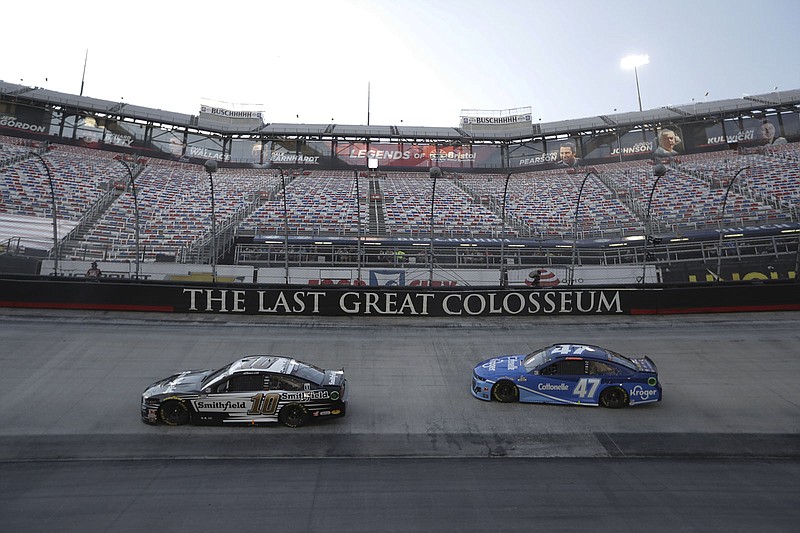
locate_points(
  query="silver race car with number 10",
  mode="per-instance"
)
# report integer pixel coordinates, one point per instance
(260, 388)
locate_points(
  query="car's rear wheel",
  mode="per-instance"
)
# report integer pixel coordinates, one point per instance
(505, 391)
(173, 413)
(614, 398)
(293, 415)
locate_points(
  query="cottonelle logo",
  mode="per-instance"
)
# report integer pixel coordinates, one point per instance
(551, 387)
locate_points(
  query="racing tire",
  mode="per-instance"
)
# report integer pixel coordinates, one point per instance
(614, 397)
(505, 392)
(293, 415)
(173, 413)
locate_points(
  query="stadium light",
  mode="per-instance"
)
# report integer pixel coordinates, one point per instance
(435, 172)
(358, 220)
(659, 171)
(634, 62)
(503, 270)
(575, 229)
(135, 213)
(285, 228)
(211, 168)
(54, 207)
(722, 221)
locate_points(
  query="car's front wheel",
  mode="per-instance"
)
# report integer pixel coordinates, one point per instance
(614, 397)
(173, 413)
(505, 391)
(293, 415)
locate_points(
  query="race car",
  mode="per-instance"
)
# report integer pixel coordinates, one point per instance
(255, 389)
(575, 374)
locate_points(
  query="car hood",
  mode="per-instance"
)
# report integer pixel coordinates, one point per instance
(500, 366)
(185, 382)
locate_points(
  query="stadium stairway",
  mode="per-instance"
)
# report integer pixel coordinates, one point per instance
(75, 245)
(377, 221)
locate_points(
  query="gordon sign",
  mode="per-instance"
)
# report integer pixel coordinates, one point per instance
(403, 303)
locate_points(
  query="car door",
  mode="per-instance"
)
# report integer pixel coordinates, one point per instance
(238, 398)
(566, 381)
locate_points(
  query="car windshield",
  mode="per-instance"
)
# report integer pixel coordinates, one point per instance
(307, 371)
(537, 358)
(215, 374)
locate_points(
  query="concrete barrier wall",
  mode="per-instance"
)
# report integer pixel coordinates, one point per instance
(251, 299)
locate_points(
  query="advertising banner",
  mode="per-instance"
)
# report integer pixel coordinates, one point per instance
(418, 155)
(231, 300)
(530, 153)
(668, 141)
(564, 153)
(25, 119)
(479, 121)
(292, 153)
(791, 126)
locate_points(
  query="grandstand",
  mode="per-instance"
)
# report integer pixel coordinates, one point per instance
(144, 201)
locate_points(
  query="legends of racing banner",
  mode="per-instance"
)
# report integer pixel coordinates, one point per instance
(419, 155)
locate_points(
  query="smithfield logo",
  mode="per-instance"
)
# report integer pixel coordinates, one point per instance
(305, 395)
(219, 406)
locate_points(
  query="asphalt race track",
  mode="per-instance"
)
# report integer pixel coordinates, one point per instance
(416, 451)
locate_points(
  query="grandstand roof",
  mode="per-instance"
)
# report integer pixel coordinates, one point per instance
(38, 95)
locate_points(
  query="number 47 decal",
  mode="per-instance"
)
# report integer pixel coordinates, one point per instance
(586, 387)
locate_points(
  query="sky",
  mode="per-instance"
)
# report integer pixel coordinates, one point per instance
(406, 62)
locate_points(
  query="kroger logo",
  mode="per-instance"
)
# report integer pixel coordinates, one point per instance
(643, 394)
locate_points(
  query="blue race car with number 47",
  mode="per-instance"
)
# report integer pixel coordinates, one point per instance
(574, 374)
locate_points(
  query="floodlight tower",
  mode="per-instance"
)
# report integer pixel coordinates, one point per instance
(634, 62)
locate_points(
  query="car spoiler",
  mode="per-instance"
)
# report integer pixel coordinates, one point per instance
(644, 364)
(334, 377)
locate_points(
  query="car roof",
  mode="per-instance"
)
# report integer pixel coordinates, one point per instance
(567, 349)
(271, 363)
(587, 351)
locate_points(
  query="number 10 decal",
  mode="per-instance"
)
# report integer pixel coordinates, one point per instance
(586, 387)
(263, 404)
